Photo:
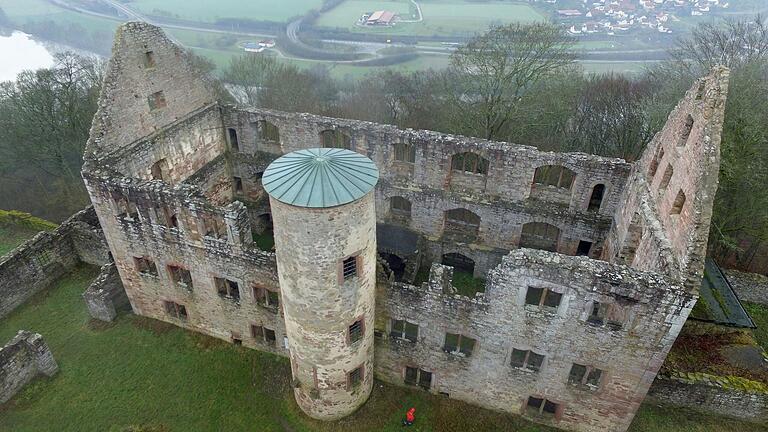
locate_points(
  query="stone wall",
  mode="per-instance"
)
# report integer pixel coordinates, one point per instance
(33, 265)
(21, 360)
(106, 294)
(505, 198)
(751, 287)
(500, 320)
(711, 399)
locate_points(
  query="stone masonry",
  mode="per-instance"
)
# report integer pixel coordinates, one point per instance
(22, 359)
(590, 264)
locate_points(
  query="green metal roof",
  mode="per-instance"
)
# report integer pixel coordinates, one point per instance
(320, 177)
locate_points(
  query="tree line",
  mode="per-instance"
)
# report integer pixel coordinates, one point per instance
(516, 83)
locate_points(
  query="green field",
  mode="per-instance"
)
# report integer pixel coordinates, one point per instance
(205, 11)
(141, 374)
(11, 236)
(441, 17)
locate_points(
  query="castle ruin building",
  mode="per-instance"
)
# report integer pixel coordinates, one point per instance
(591, 265)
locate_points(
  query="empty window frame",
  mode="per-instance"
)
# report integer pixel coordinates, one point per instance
(596, 199)
(125, 208)
(677, 205)
(526, 359)
(541, 406)
(263, 335)
(175, 310)
(554, 175)
(542, 297)
(583, 248)
(540, 235)
(356, 331)
(335, 139)
(668, 172)
(655, 162)
(180, 276)
(402, 329)
(400, 206)
(610, 314)
(156, 101)
(234, 144)
(237, 184)
(149, 60)
(349, 267)
(459, 344)
(355, 377)
(227, 288)
(405, 152)
(418, 377)
(268, 131)
(462, 221)
(266, 297)
(160, 170)
(585, 376)
(214, 227)
(685, 133)
(469, 162)
(145, 266)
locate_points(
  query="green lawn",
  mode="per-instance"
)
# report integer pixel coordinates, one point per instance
(441, 17)
(139, 372)
(11, 236)
(205, 11)
(759, 314)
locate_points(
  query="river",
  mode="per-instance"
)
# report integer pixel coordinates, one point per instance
(20, 52)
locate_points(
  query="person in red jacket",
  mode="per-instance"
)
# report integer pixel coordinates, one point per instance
(410, 417)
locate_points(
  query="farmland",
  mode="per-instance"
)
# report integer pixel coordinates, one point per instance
(203, 11)
(441, 17)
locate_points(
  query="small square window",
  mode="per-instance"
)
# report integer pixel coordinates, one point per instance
(542, 297)
(356, 331)
(402, 329)
(355, 377)
(175, 310)
(145, 266)
(552, 299)
(533, 296)
(349, 267)
(459, 344)
(181, 276)
(227, 288)
(156, 101)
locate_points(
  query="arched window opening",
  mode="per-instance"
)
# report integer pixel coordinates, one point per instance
(160, 170)
(459, 262)
(666, 178)
(405, 152)
(540, 235)
(554, 175)
(677, 206)
(686, 132)
(596, 200)
(461, 223)
(400, 206)
(268, 131)
(234, 144)
(469, 163)
(331, 138)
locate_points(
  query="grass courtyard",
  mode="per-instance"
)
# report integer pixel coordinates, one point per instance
(140, 374)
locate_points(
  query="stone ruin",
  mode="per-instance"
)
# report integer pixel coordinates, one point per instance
(591, 265)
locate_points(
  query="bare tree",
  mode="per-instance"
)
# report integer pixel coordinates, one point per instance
(729, 42)
(610, 119)
(488, 76)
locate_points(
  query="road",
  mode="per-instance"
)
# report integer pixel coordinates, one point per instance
(293, 28)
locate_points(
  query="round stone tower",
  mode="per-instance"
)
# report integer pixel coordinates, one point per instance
(325, 240)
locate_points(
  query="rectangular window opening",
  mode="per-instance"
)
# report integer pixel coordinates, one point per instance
(349, 267)
(356, 330)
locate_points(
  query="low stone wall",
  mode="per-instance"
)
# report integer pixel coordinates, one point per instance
(21, 360)
(751, 287)
(39, 261)
(708, 397)
(106, 295)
